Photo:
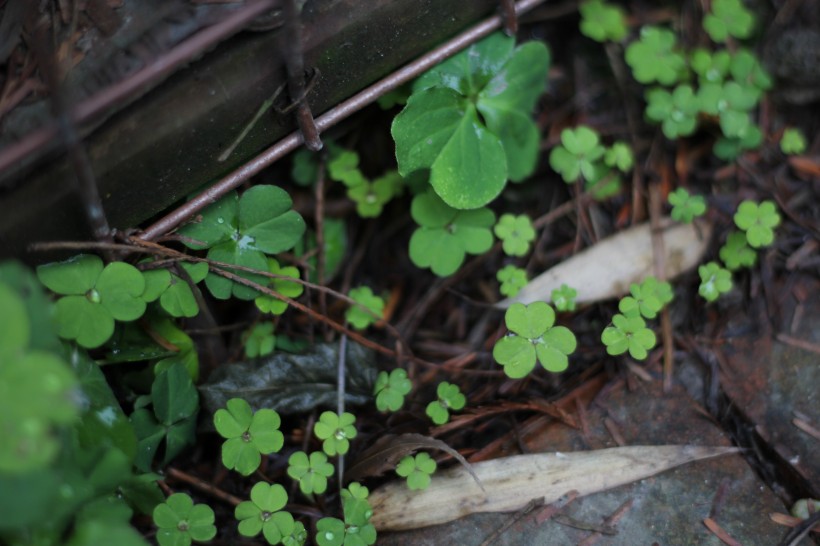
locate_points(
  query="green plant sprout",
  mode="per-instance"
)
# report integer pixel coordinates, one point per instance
(686, 207)
(356, 529)
(446, 235)
(417, 470)
(516, 233)
(259, 340)
(311, 472)
(449, 398)
(677, 112)
(732, 103)
(711, 67)
(758, 221)
(269, 304)
(654, 57)
(93, 297)
(248, 435)
(512, 280)
(241, 231)
(737, 253)
(563, 298)
(714, 281)
(533, 337)
(264, 514)
(628, 333)
(580, 149)
(369, 308)
(646, 299)
(793, 142)
(335, 431)
(371, 197)
(181, 522)
(619, 156)
(297, 537)
(344, 168)
(390, 389)
(728, 18)
(468, 121)
(602, 21)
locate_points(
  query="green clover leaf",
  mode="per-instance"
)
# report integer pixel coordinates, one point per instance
(647, 298)
(758, 221)
(516, 233)
(654, 58)
(344, 168)
(605, 182)
(248, 435)
(737, 253)
(335, 431)
(564, 298)
(533, 337)
(677, 112)
(729, 149)
(269, 304)
(369, 308)
(330, 532)
(619, 156)
(628, 333)
(186, 355)
(714, 281)
(711, 67)
(263, 513)
(449, 398)
(370, 197)
(390, 389)
(580, 149)
(259, 340)
(311, 472)
(297, 537)
(355, 530)
(686, 207)
(792, 142)
(180, 521)
(728, 18)
(746, 69)
(355, 490)
(417, 470)
(512, 280)
(732, 102)
(446, 235)
(601, 21)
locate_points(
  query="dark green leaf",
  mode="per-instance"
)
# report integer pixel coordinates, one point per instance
(120, 286)
(42, 333)
(74, 276)
(233, 253)
(174, 395)
(215, 224)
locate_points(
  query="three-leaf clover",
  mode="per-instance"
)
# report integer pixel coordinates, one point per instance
(370, 197)
(686, 207)
(628, 333)
(259, 340)
(737, 253)
(654, 57)
(93, 297)
(602, 21)
(746, 69)
(417, 470)
(390, 389)
(758, 221)
(512, 280)
(732, 102)
(269, 304)
(367, 310)
(263, 513)
(468, 120)
(647, 298)
(311, 472)
(532, 337)
(711, 67)
(677, 112)
(446, 235)
(728, 18)
(356, 529)
(580, 149)
(344, 168)
(241, 231)
(449, 398)
(619, 156)
(714, 281)
(730, 148)
(297, 537)
(516, 233)
(180, 521)
(249, 435)
(336, 432)
(563, 298)
(793, 142)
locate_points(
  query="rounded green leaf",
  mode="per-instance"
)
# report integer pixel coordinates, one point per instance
(551, 358)
(121, 286)
(516, 354)
(530, 321)
(215, 224)
(277, 234)
(234, 253)
(157, 282)
(178, 300)
(437, 250)
(75, 276)
(428, 210)
(269, 497)
(265, 432)
(234, 421)
(90, 324)
(15, 328)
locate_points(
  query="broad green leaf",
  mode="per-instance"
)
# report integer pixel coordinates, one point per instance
(120, 286)
(551, 358)
(35, 494)
(178, 300)
(437, 250)
(38, 386)
(235, 420)
(39, 308)
(429, 210)
(519, 136)
(473, 229)
(266, 221)
(90, 324)
(196, 270)
(149, 436)
(177, 437)
(233, 253)
(529, 321)
(265, 432)
(15, 328)
(72, 277)
(215, 224)
(516, 354)
(561, 338)
(174, 395)
(157, 282)
(520, 82)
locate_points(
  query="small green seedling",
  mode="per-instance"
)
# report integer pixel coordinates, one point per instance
(248, 435)
(563, 298)
(793, 142)
(259, 340)
(335, 431)
(264, 514)
(602, 21)
(446, 235)
(737, 253)
(758, 221)
(356, 529)
(654, 57)
(677, 112)
(647, 298)
(619, 156)
(368, 310)
(577, 155)
(516, 233)
(628, 333)
(311, 472)
(714, 281)
(532, 337)
(417, 470)
(269, 304)
(94, 296)
(390, 389)
(732, 102)
(512, 280)
(449, 398)
(728, 18)
(344, 168)
(371, 197)
(181, 522)
(711, 67)
(686, 207)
